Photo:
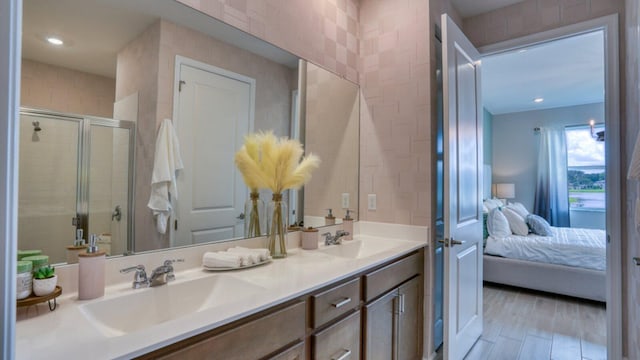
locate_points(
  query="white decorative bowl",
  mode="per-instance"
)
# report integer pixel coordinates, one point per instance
(42, 287)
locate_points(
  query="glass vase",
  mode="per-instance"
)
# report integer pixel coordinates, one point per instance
(254, 209)
(277, 227)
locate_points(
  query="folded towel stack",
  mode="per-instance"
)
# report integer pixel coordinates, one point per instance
(260, 254)
(221, 260)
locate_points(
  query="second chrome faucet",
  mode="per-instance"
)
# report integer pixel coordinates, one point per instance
(159, 276)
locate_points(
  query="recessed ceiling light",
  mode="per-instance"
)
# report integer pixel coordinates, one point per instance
(538, 100)
(54, 41)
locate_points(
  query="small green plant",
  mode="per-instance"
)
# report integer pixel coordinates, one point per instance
(44, 272)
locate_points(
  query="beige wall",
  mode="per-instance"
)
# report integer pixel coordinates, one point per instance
(533, 16)
(153, 54)
(332, 133)
(64, 90)
(323, 32)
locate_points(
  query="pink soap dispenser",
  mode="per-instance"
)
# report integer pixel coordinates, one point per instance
(91, 268)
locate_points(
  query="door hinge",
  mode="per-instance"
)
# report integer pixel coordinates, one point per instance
(180, 83)
(175, 225)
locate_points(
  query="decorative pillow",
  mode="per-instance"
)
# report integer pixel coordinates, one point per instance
(539, 225)
(519, 209)
(516, 222)
(492, 203)
(497, 224)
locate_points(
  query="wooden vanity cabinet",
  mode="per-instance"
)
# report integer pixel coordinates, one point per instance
(376, 314)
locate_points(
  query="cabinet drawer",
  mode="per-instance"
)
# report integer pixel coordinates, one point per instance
(233, 344)
(334, 302)
(295, 352)
(382, 280)
(340, 341)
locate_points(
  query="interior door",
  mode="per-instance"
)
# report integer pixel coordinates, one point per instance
(462, 192)
(215, 113)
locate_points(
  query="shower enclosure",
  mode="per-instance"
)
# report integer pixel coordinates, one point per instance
(76, 172)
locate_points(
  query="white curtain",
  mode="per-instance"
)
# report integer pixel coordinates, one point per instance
(552, 194)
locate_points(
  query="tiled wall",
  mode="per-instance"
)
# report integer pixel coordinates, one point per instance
(332, 118)
(395, 143)
(59, 89)
(324, 32)
(532, 16)
(631, 280)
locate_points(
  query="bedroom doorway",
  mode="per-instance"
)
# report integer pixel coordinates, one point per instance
(585, 115)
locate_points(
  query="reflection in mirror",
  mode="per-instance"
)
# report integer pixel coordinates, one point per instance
(119, 60)
(332, 115)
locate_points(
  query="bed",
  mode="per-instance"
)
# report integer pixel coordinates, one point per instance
(571, 261)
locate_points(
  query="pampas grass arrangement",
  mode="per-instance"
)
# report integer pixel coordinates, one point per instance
(277, 164)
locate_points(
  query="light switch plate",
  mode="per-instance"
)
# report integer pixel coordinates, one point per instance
(372, 202)
(345, 200)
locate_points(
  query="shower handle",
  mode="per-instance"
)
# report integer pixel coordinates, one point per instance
(117, 213)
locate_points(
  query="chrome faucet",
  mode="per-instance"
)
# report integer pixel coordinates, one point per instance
(334, 239)
(159, 276)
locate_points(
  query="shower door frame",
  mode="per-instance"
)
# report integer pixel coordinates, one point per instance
(83, 162)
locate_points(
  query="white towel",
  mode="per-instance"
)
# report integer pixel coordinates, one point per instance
(221, 259)
(167, 161)
(261, 254)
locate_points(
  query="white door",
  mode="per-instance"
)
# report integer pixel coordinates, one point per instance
(215, 112)
(462, 192)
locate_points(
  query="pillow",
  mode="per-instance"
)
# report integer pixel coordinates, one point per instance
(539, 225)
(497, 224)
(519, 209)
(492, 204)
(516, 222)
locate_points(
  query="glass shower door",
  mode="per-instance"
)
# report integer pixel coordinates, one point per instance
(48, 183)
(109, 167)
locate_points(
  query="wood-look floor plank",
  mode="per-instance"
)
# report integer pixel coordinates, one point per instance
(566, 348)
(593, 351)
(505, 349)
(535, 348)
(480, 350)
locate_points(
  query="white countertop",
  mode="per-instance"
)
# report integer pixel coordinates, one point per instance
(66, 333)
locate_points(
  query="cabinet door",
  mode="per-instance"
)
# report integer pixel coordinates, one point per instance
(410, 320)
(380, 328)
(295, 352)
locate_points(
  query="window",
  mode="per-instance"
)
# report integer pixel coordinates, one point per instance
(585, 168)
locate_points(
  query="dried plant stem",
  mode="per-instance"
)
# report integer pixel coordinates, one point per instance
(254, 219)
(278, 231)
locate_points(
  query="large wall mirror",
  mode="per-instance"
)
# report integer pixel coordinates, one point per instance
(92, 107)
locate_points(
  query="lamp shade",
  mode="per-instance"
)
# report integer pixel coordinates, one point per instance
(506, 191)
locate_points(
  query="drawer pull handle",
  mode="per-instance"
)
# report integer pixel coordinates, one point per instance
(341, 303)
(345, 353)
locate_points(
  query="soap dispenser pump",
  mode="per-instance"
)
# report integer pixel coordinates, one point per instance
(77, 248)
(91, 270)
(347, 225)
(329, 219)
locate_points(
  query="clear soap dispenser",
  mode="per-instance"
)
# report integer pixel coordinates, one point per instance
(329, 219)
(347, 225)
(91, 268)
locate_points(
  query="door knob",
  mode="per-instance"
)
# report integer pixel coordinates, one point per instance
(451, 242)
(636, 260)
(241, 216)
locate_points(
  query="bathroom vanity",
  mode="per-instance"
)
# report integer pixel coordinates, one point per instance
(345, 301)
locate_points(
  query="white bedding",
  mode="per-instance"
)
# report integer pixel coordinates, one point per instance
(583, 248)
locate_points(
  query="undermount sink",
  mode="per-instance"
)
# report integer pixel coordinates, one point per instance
(358, 249)
(144, 308)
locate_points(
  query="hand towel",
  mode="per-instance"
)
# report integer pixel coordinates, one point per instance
(262, 254)
(221, 259)
(249, 256)
(167, 162)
